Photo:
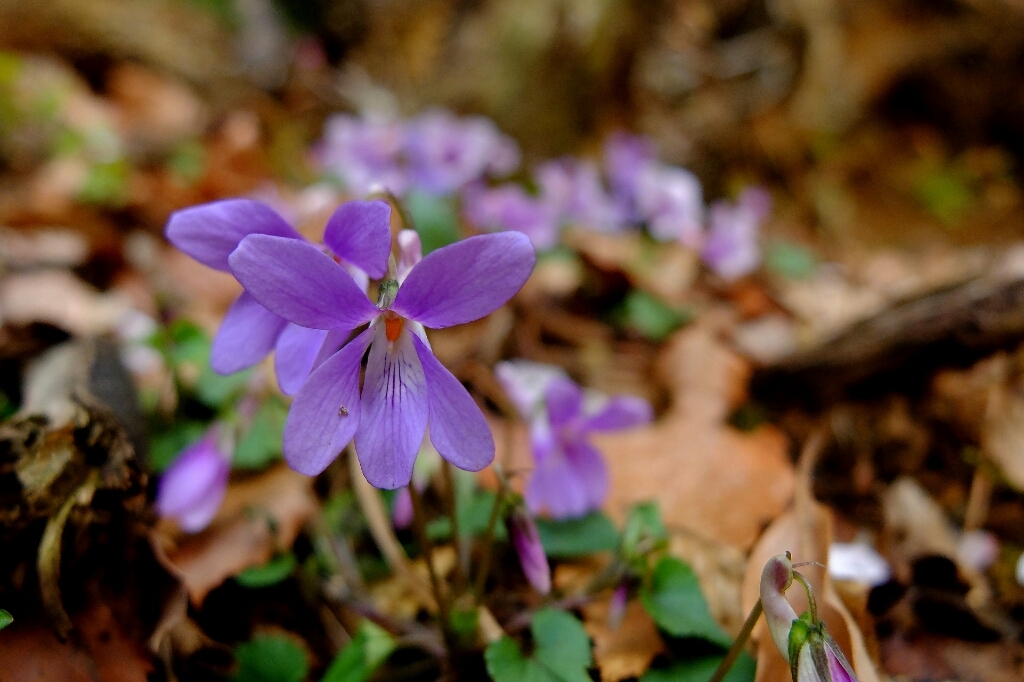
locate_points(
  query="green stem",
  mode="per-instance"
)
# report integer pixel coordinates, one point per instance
(488, 546)
(812, 606)
(419, 521)
(461, 565)
(737, 645)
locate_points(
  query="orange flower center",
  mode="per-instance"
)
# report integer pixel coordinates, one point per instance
(393, 324)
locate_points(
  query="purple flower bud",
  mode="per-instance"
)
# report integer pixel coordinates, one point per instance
(617, 606)
(817, 657)
(446, 153)
(193, 487)
(669, 199)
(509, 207)
(525, 539)
(731, 249)
(401, 508)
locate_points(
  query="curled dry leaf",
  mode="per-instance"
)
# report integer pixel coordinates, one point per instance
(626, 651)
(706, 476)
(259, 517)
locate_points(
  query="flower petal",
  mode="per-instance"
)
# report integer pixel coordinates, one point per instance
(300, 283)
(525, 383)
(467, 280)
(564, 400)
(360, 233)
(590, 468)
(838, 667)
(326, 410)
(555, 487)
(248, 332)
(192, 489)
(458, 429)
(394, 417)
(620, 412)
(210, 232)
(296, 350)
(336, 338)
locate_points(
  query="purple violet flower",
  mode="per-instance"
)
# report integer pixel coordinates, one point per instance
(445, 152)
(571, 477)
(818, 657)
(210, 232)
(526, 540)
(364, 154)
(509, 207)
(669, 199)
(617, 606)
(193, 487)
(731, 249)
(625, 158)
(405, 386)
(575, 191)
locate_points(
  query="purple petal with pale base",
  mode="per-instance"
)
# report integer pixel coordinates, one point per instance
(296, 350)
(591, 471)
(564, 401)
(318, 428)
(210, 232)
(525, 383)
(248, 332)
(360, 233)
(555, 487)
(394, 404)
(300, 283)
(336, 338)
(620, 412)
(838, 667)
(458, 429)
(467, 280)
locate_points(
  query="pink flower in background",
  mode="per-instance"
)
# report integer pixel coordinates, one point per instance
(509, 207)
(193, 487)
(364, 153)
(625, 158)
(573, 189)
(731, 249)
(670, 200)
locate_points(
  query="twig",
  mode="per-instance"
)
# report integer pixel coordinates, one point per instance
(461, 556)
(488, 544)
(382, 532)
(737, 645)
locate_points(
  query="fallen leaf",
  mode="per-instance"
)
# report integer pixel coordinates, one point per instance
(706, 476)
(61, 299)
(627, 650)
(260, 517)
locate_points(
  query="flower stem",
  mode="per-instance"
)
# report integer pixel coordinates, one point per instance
(812, 605)
(488, 547)
(737, 645)
(461, 559)
(420, 523)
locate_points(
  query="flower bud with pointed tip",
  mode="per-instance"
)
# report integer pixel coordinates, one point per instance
(193, 487)
(526, 540)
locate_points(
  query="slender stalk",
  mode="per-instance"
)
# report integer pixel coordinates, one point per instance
(461, 558)
(737, 645)
(419, 522)
(812, 605)
(488, 545)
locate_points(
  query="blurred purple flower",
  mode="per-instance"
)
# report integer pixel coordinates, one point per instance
(571, 477)
(625, 158)
(364, 153)
(731, 249)
(210, 232)
(617, 606)
(404, 385)
(509, 207)
(526, 540)
(446, 152)
(401, 508)
(669, 199)
(574, 190)
(818, 657)
(193, 487)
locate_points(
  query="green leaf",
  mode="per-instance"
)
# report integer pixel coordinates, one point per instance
(790, 260)
(561, 652)
(165, 446)
(649, 316)
(701, 670)
(674, 600)
(473, 507)
(369, 648)
(270, 658)
(576, 537)
(217, 390)
(434, 218)
(106, 183)
(270, 573)
(5, 618)
(643, 525)
(262, 443)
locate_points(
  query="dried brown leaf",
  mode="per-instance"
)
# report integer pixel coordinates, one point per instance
(627, 650)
